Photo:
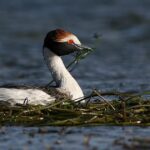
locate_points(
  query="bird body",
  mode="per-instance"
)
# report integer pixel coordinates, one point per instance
(56, 44)
(31, 96)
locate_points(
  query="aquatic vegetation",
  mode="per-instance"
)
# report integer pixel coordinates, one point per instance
(120, 109)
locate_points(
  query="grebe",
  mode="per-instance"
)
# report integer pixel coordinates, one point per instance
(56, 44)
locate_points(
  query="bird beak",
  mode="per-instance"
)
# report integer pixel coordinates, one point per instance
(82, 47)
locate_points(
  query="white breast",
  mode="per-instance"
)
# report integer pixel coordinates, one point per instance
(30, 96)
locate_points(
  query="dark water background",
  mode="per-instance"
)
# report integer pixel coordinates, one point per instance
(121, 60)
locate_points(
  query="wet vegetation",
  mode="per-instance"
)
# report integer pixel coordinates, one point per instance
(109, 108)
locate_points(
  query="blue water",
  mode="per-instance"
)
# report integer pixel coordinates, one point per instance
(121, 60)
(77, 138)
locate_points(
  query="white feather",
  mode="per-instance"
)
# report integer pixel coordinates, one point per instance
(31, 96)
(70, 37)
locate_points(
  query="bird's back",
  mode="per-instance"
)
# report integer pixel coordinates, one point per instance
(15, 94)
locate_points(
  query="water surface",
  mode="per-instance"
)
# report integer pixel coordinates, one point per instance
(77, 138)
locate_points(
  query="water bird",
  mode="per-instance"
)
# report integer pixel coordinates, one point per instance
(57, 43)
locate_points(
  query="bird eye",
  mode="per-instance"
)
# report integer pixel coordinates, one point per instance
(70, 42)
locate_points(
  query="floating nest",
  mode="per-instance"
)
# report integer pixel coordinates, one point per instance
(101, 108)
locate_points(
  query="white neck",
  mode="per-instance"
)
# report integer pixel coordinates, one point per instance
(61, 75)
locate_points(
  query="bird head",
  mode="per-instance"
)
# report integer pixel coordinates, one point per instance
(62, 42)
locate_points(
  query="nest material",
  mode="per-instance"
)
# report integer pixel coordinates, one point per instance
(122, 109)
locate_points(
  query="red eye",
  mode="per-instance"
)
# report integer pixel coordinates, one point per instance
(70, 42)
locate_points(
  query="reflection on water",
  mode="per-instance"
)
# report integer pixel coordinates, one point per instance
(121, 60)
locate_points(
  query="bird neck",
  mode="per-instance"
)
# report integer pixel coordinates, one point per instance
(61, 75)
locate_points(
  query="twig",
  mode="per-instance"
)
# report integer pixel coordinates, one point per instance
(137, 106)
(123, 105)
(110, 93)
(105, 100)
